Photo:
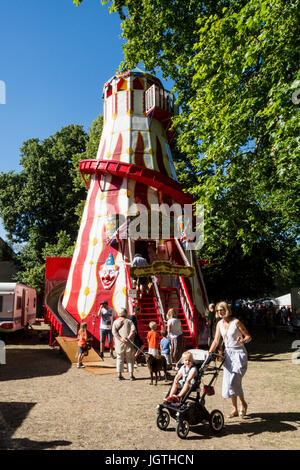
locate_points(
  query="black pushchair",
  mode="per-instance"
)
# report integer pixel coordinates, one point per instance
(191, 408)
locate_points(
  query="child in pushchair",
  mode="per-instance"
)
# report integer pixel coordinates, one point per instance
(186, 407)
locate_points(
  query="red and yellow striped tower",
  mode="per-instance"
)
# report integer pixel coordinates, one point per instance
(132, 173)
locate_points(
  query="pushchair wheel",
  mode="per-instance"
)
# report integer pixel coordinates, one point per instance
(182, 429)
(162, 420)
(216, 421)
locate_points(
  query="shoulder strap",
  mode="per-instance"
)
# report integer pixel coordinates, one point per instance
(121, 324)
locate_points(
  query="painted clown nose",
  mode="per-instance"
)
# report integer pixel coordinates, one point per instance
(133, 172)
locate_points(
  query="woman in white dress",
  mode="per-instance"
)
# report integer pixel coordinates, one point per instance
(234, 335)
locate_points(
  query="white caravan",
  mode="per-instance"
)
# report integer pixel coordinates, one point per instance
(17, 306)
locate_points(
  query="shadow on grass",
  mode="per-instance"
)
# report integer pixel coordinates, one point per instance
(252, 425)
(258, 423)
(11, 417)
(260, 349)
(29, 363)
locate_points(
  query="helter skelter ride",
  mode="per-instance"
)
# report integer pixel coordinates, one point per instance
(132, 188)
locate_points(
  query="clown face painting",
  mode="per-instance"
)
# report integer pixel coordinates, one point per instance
(109, 272)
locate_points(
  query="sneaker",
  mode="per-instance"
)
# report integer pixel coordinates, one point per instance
(112, 356)
(82, 366)
(120, 377)
(170, 399)
(132, 377)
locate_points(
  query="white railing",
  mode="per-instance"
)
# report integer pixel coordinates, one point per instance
(181, 251)
(159, 302)
(187, 305)
(158, 97)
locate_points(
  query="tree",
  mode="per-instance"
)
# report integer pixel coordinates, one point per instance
(244, 124)
(92, 144)
(41, 205)
(32, 261)
(235, 65)
(39, 201)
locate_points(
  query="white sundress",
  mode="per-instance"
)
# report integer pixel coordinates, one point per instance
(236, 360)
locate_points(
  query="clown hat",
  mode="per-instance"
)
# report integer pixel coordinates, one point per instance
(110, 260)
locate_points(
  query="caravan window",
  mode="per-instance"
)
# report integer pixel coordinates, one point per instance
(19, 303)
(1, 303)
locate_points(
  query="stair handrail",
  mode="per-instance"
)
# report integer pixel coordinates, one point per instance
(188, 307)
(157, 299)
(181, 251)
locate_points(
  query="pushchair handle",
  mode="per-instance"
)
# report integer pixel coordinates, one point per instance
(213, 354)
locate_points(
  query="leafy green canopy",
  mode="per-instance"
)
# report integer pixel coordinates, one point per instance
(242, 122)
(39, 201)
(41, 205)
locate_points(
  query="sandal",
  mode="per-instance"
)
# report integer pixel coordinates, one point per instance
(243, 412)
(233, 414)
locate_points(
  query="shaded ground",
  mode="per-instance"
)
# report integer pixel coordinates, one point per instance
(45, 403)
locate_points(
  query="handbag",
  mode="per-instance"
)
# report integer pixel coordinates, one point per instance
(88, 346)
(208, 390)
(220, 350)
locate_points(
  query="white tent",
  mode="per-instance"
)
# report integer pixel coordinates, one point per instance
(284, 300)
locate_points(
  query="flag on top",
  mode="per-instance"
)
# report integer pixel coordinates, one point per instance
(119, 234)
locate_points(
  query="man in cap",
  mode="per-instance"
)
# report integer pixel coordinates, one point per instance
(107, 315)
(124, 330)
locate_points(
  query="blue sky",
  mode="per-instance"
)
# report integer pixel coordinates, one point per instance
(54, 60)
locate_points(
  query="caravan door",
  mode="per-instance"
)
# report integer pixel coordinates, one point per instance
(7, 307)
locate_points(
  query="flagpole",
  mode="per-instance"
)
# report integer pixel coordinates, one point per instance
(130, 251)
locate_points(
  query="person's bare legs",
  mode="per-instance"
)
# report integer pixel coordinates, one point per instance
(102, 350)
(174, 389)
(244, 406)
(234, 411)
(184, 389)
(80, 357)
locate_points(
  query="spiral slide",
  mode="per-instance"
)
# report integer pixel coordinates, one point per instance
(67, 327)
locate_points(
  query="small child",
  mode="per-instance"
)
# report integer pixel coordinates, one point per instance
(82, 339)
(165, 346)
(153, 338)
(184, 378)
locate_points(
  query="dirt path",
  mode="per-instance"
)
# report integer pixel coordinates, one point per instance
(45, 403)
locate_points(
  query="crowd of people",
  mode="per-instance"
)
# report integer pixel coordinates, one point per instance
(169, 342)
(123, 328)
(253, 314)
(225, 327)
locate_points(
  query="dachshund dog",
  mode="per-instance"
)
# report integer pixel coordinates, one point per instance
(155, 365)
